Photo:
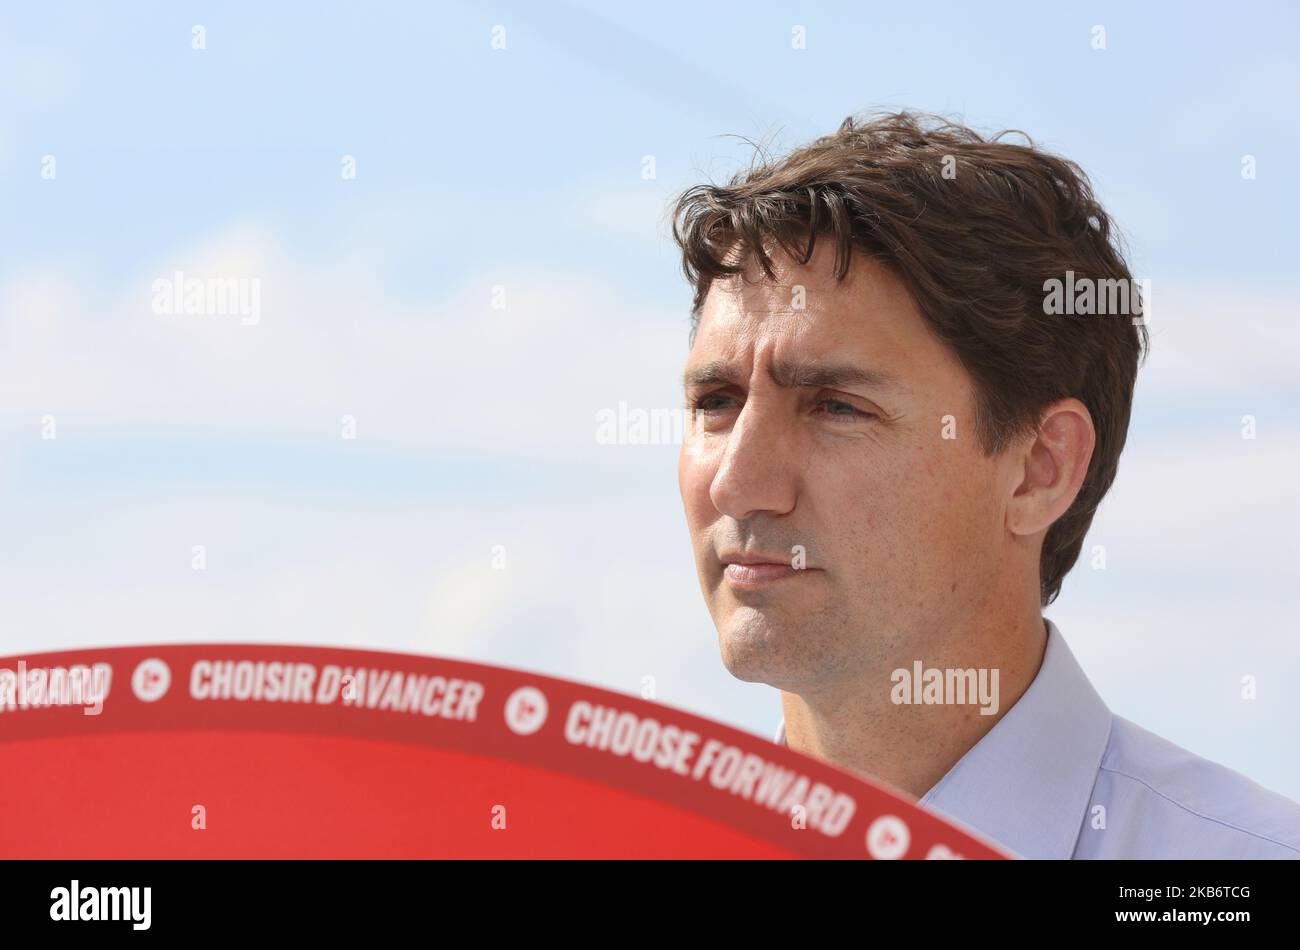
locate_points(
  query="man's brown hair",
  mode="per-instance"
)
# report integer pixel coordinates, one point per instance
(975, 227)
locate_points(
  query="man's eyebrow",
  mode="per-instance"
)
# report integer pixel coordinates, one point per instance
(805, 374)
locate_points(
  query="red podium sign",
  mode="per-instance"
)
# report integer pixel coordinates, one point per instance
(260, 751)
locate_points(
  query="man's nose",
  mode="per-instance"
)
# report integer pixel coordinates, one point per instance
(757, 473)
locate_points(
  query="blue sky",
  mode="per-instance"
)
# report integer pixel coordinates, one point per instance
(522, 168)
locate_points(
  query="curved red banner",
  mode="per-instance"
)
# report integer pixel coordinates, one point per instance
(262, 751)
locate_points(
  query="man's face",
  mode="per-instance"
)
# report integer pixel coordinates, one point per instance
(821, 430)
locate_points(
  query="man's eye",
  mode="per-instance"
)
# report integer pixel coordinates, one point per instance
(711, 402)
(839, 409)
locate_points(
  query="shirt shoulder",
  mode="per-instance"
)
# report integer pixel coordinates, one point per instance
(1159, 800)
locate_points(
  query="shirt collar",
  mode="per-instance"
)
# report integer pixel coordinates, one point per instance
(1027, 782)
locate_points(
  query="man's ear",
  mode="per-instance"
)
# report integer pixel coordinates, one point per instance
(1054, 462)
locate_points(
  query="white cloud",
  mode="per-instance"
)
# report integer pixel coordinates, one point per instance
(1214, 338)
(454, 374)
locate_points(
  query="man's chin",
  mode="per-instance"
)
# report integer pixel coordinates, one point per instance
(754, 649)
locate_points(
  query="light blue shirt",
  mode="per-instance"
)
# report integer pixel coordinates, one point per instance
(1060, 776)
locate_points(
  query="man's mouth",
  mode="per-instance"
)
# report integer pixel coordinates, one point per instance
(752, 571)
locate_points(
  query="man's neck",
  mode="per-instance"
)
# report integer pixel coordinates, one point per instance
(888, 726)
